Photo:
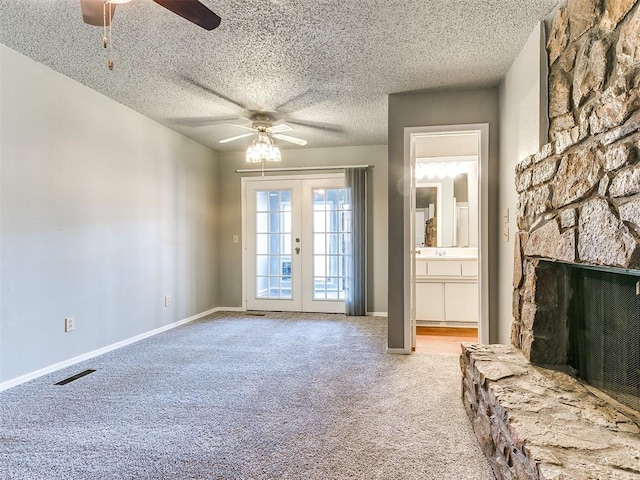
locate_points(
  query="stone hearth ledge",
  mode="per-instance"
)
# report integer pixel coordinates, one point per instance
(536, 423)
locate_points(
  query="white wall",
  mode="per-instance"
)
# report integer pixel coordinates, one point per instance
(230, 254)
(523, 130)
(102, 213)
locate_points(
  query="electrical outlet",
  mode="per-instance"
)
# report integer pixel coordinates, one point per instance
(505, 234)
(236, 239)
(167, 300)
(69, 324)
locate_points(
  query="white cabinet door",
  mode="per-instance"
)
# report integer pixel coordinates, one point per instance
(461, 302)
(430, 301)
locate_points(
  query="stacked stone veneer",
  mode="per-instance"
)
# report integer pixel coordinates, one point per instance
(579, 197)
(579, 203)
(538, 424)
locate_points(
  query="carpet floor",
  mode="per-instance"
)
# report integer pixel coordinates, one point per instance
(233, 396)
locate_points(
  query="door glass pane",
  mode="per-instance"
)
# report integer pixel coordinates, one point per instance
(285, 240)
(319, 221)
(274, 265)
(319, 265)
(262, 287)
(330, 240)
(343, 199)
(285, 262)
(274, 287)
(273, 244)
(274, 222)
(319, 288)
(274, 201)
(333, 288)
(262, 201)
(346, 221)
(262, 244)
(332, 198)
(333, 240)
(262, 222)
(262, 265)
(319, 241)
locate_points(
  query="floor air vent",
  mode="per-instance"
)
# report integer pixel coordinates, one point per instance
(75, 377)
(255, 314)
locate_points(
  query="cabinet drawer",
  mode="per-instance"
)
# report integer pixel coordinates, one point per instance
(469, 268)
(444, 269)
(421, 268)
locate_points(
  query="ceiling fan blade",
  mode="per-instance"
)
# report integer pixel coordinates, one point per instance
(318, 126)
(231, 139)
(241, 126)
(92, 12)
(202, 121)
(192, 10)
(201, 86)
(304, 99)
(288, 138)
(281, 127)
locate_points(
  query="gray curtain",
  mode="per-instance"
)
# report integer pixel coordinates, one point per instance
(356, 298)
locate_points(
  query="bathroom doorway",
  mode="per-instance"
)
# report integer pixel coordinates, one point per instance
(448, 217)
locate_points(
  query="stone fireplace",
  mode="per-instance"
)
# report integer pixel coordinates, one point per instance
(563, 401)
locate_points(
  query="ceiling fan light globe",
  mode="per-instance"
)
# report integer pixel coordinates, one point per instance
(257, 151)
(274, 154)
(262, 149)
(252, 156)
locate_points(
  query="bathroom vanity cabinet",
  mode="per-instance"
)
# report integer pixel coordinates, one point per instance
(447, 291)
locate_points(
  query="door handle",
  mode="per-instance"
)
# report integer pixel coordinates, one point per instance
(298, 250)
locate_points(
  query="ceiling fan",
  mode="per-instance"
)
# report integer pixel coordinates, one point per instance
(95, 13)
(100, 13)
(264, 124)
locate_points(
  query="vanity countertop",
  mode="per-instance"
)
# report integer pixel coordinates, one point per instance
(440, 258)
(441, 254)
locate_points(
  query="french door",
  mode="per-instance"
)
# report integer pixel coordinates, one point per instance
(297, 236)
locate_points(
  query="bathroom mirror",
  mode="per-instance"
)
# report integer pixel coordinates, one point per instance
(446, 213)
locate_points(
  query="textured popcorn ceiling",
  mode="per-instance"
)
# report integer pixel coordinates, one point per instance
(331, 63)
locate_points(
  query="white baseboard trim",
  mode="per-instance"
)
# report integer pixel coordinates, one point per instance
(398, 351)
(100, 351)
(377, 314)
(229, 309)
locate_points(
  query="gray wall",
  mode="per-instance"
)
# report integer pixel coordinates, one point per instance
(432, 109)
(102, 213)
(229, 200)
(523, 130)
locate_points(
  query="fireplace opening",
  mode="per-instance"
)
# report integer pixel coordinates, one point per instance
(603, 322)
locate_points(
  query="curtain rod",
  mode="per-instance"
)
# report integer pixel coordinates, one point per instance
(296, 169)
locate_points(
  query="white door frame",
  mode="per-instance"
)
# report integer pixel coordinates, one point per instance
(483, 210)
(243, 190)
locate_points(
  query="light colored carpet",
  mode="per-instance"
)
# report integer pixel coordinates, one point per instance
(296, 396)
